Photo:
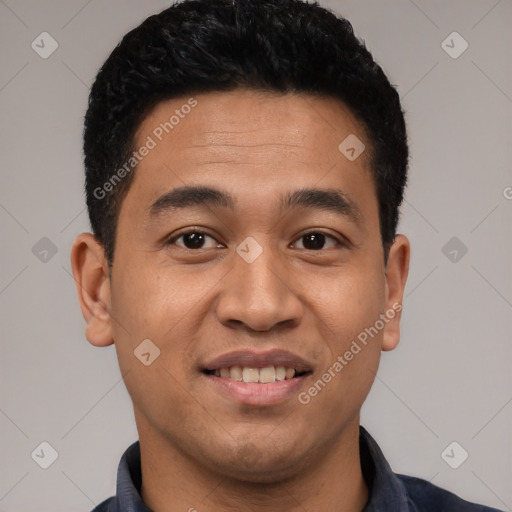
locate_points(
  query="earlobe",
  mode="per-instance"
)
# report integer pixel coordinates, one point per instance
(90, 270)
(397, 269)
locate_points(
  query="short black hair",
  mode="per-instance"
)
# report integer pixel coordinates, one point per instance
(199, 46)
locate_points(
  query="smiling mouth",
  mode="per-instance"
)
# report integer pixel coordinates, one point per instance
(265, 375)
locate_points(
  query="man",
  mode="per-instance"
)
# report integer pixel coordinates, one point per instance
(245, 163)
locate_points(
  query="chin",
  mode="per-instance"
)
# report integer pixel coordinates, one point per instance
(267, 474)
(262, 465)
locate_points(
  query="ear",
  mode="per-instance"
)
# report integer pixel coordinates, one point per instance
(397, 269)
(90, 270)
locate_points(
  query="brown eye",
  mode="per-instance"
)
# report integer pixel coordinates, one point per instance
(193, 240)
(316, 241)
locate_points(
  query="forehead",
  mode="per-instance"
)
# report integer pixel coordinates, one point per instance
(248, 141)
(249, 118)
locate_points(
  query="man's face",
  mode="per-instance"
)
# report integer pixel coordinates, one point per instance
(255, 283)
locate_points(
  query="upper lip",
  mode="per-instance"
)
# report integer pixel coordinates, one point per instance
(255, 359)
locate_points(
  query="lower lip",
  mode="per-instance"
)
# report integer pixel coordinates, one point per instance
(250, 393)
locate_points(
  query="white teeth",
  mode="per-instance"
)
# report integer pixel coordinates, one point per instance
(262, 375)
(268, 374)
(280, 373)
(250, 375)
(236, 373)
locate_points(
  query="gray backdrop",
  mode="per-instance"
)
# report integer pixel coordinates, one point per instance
(448, 381)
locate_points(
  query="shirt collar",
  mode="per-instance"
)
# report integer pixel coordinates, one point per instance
(385, 490)
(129, 482)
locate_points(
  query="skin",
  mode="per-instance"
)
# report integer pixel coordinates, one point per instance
(199, 448)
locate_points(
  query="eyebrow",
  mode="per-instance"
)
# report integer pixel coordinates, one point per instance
(188, 196)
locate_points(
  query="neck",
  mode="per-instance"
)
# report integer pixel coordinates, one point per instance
(173, 482)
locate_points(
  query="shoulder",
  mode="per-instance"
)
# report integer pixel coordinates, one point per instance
(427, 497)
(109, 505)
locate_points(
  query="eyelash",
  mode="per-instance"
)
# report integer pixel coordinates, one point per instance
(172, 240)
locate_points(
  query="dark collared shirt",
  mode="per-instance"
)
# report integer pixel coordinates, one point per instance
(387, 491)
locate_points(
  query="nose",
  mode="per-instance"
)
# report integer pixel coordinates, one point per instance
(259, 295)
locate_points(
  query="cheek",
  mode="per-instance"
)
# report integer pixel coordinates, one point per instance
(150, 301)
(349, 300)
(160, 399)
(346, 314)
(346, 308)
(164, 306)
(146, 307)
